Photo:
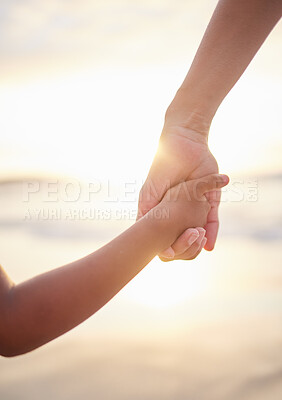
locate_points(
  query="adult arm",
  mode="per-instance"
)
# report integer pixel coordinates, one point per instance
(236, 31)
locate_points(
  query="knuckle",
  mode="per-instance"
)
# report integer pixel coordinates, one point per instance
(208, 206)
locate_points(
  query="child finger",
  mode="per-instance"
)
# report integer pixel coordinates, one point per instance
(185, 241)
(193, 251)
(168, 254)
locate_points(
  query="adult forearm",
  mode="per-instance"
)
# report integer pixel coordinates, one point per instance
(236, 31)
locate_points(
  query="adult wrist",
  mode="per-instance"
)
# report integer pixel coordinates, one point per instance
(187, 112)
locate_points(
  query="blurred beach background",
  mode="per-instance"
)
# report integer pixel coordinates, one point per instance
(84, 86)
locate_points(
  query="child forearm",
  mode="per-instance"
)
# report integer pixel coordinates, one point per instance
(50, 304)
(43, 308)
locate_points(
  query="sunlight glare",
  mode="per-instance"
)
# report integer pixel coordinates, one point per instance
(165, 285)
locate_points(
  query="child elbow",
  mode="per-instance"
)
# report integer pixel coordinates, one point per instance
(6, 350)
(9, 347)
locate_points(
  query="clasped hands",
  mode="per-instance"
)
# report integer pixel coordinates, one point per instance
(184, 155)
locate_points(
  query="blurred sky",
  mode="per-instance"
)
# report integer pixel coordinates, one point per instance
(84, 86)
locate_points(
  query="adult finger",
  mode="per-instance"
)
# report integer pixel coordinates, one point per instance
(212, 224)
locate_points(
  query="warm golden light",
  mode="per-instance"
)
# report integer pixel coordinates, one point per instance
(84, 87)
(158, 287)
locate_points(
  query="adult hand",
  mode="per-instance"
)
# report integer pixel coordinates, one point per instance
(183, 154)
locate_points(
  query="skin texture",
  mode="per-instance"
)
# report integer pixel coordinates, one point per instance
(236, 31)
(43, 308)
(38, 310)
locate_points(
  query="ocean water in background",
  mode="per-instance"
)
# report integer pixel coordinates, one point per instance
(207, 329)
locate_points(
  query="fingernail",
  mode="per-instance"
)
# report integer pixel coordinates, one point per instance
(225, 178)
(204, 242)
(168, 253)
(192, 238)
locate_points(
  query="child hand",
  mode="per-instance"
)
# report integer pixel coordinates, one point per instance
(185, 205)
(187, 247)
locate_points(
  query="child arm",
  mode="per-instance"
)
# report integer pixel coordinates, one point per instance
(38, 310)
